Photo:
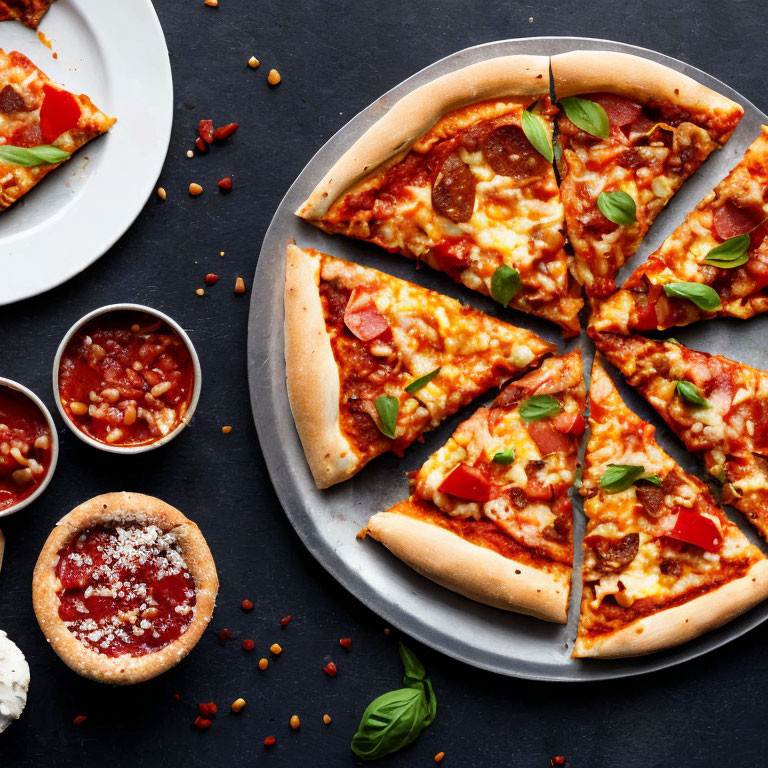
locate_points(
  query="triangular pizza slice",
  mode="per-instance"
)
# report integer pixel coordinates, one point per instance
(458, 175)
(662, 564)
(714, 264)
(373, 361)
(489, 514)
(716, 406)
(631, 132)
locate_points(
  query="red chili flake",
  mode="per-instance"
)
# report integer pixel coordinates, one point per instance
(269, 741)
(80, 719)
(201, 145)
(247, 644)
(177, 697)
(284, 621)
(330, 669)
(224, 131)
(246, 605)
(558, 760)
(224, 635)
(211, 279)
(202, 723)
(205, 128)
(345, 642)
(207, 709)
(225, 184)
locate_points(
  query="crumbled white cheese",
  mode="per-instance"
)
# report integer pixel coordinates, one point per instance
(14, 681)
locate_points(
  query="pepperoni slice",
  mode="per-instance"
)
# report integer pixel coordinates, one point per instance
(453, 251)
(453, 192)
(548, 439)
(730, 221)
(569, 423)
(59, 113)
(507, 150)
(11, 101)
(620, 111)
(363, 318)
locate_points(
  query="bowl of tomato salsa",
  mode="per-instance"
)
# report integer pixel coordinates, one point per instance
(29, 447)
(126, 378)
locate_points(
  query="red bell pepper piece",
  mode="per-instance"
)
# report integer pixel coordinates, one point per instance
(59, 113)
(467, 482)
(363, 318)
(694, 528)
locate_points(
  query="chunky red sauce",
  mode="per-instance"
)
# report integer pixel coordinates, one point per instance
(25, 447)
(126, 378)
(125, 590)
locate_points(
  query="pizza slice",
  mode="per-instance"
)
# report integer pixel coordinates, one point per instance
(373, 361)
(28, 12)
(714, 264)
(716, 406)
(662, 564)
(41, 125)
(458, 175)
(489, 514)
(632, 131)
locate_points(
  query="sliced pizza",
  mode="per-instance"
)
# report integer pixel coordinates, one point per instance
(41, 125)
(662, 564)
(28, 12)
(716, 406)
(489, 514)
(714, 264)
(458, 175)
(373, 361)
(631, 132)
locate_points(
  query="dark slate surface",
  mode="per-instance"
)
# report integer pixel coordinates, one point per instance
(335, 58)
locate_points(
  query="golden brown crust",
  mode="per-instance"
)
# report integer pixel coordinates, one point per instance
(637, 78)
(473, 571)
(312, 376)
(412, 115)
(110, 509)
(677, 625)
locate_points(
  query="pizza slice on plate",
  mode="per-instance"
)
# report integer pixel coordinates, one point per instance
(489, 514)
(714, 264)
(662, 564)
(41, 125)
(458, 175)
(28, 12)
(632, 131)
(716, 406)
(373, 361)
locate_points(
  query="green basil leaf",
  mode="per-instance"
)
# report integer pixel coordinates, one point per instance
(431, 703)
(729, 254)
(506, 456)
(26, 157)
(505, 284)
(619, 477)
(577, 478)
(387, 407)
(618, 207)
(672, 340)
(704, 297)
(414, 669)
(390, 722)
(690, 392)
(539, 407)
(421, 382)
(653, 479)
(558, 151)
(536, 131)
(587, 115)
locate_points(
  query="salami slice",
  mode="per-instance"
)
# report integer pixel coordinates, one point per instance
(453, 193)
(508, 151)
(730, 220)
(620, 111)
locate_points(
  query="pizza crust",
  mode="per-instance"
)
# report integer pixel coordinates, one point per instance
(637, 78)
(677, 625)
(312, 376)
(473, 571)
(115, 508)
(418, 110)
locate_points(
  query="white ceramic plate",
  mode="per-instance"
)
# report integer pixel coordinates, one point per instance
(113, 51)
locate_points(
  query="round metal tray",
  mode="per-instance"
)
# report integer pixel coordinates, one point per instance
(327, 521)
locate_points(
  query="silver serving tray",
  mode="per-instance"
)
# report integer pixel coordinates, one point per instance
(327, 521)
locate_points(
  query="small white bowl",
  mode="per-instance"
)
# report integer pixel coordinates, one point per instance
(195, 390)
(30, 395)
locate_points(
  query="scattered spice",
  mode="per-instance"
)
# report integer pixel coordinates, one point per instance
(195, 189)
(345, 642)
(190, 153)
(439, 757)
(212, 3)
(248, 644)
(558, 760)
(224, 635)
(207, 709)
(246, 605)
(202, 723)
(225, 184)
(295, 722)
(221, 253)
(226, 429)
(327, 719)
(263, 664)
(238, 704)
(161, 193)
(79, 719)
(387, 631)
(285, 620)
(177, 697)
(224, 131)
(240, 288)
(211, 279)
(199, 291)
(269, 741)
(273, 78)
(205, 129)
(276, 649)
(253, 62)
(330, 669)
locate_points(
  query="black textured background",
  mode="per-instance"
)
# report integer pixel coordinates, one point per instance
(335, 58)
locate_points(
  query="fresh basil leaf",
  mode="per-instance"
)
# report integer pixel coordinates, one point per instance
(421, 382)
(587, 115)
(577, 478)
(558, 151)
(26, 157)
(505, 284)
(414, 669)
(431, 703)
(387, 407)
(618, 207)
(653, 479)
(729, 254)
(619, 477)
(539, 407)
(673, 340)
(690, 392)
(536, 131)
(704, 297)
(507, 456)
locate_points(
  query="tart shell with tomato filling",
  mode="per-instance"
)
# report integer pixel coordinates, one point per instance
(124, 588)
